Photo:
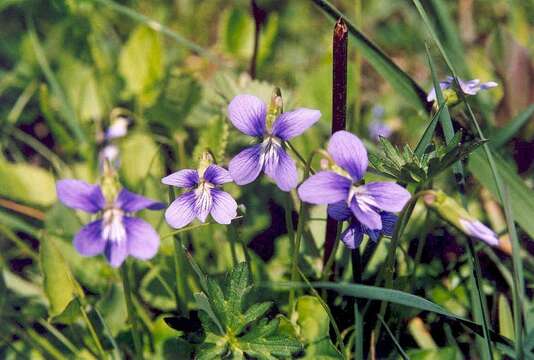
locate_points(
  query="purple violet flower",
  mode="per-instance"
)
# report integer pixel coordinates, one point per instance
(479, 231)
(248, 114)
(353, 235)
(367, 202)
(202, 196)
(377, 128)
(469, 87)
(117, 233)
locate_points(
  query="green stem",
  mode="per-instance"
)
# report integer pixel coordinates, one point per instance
(233, 239)
(179, 271)
(331, 258)
(358, 319)
(138, 347)
(92, 331)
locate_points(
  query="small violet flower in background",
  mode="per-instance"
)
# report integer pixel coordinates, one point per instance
(343, 190)
(116, 233)
(249, 115)
(377, 127)
(117, 129)
(470, 87)
(202, 197)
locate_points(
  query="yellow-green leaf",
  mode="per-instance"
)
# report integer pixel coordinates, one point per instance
(141, 64)
(506, 321)
(58, 283)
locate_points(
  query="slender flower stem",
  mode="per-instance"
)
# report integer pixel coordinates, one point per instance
(339, 110)
(138, 345)
(331, 259)
(358, 318)
(298, 238)
(91, 329)
(232, 238)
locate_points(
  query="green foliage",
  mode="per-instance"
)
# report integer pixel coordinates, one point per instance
(59, 285)
(406, 166)
(232, 329)
(141, 64)
(27, 183)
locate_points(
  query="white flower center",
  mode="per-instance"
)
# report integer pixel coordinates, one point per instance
(364, 200)
(112, 226)
(269, 151)
(203, 196)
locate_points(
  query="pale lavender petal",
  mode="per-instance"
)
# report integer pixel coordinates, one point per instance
(89, 241)
(446, 84)
(378, 128)
(217, 175)
(325, 187)
(339, 211)
(388, 196)
(116, 252)
(281, 168)
(352, 237)
(246, 166)
(480, 231)
(142, 239)
(185, 178)
(389, 221)
(131, 202)
(248, 113)
(367, 216)
(203, 203)
(224, 207)
(181, 211)
(117, 129)
(470, 87)
(293, 123)
(488, 85)
(348, 151)
(80, 195)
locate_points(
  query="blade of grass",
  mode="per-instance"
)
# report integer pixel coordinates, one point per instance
(69, 115)
(398, 79)
(395, 342)
(496, 176)
(502, 136)
(425, 140)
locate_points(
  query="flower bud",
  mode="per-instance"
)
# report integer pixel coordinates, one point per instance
(206, 159)
(276, 107)
(449, 210)
(109, 182)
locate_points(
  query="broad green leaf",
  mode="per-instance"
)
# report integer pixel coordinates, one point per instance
(521, 197)
(446, 353)
(506, 321)
(141, 64)
(140, 159)
(312, 319)
(58, 283)
(112, 308)
(314, 325)
(238, 32)
(27, 183)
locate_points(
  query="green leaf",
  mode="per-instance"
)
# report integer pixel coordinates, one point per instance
(27, 183)
(238, 32)
(141, 64)
(313, 319)
(521, 197)
(506, 321)
(314, 325)
(59, 285)
(112, 308)
(140, 159)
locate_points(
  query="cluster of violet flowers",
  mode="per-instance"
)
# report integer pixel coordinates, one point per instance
(117, 232)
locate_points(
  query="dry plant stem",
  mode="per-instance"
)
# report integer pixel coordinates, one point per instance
(257, 15)
(339, 110)
(22, 209)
